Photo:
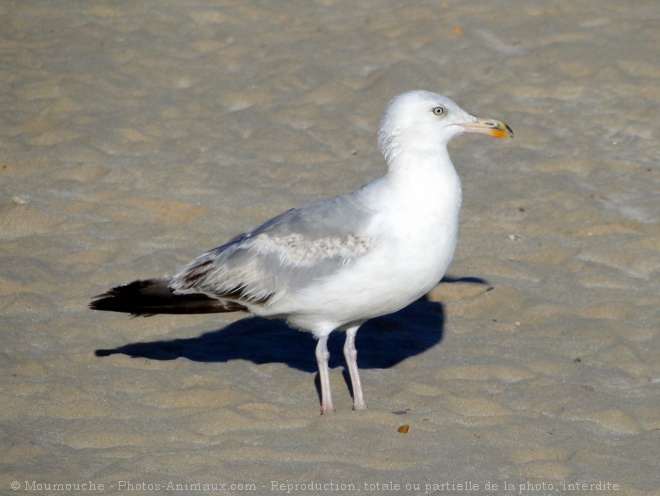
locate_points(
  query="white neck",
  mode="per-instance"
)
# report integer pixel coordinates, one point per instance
(427, 181)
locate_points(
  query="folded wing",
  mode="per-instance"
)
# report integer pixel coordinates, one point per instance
(281, 256)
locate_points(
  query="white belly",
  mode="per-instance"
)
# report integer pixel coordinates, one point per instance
(399, 269)
(411, 236)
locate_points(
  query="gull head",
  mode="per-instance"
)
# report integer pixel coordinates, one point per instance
(424, 121)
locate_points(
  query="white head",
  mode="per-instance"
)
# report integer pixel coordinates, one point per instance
(423, 121)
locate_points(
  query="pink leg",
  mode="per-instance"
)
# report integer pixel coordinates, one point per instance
(350, 353)
(322, 356)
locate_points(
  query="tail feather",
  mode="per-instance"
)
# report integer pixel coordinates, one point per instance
(154, 296)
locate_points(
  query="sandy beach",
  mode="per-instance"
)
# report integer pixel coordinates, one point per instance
(136, 135)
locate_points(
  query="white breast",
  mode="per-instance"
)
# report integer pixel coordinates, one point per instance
(412, 241)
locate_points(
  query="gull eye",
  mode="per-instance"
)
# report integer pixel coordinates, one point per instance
(439, 110)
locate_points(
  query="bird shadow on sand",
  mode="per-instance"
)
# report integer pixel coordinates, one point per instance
(381, 342)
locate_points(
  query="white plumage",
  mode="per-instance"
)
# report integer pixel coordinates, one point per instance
(333, 264)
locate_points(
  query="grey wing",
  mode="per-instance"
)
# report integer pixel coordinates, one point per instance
(283, 255)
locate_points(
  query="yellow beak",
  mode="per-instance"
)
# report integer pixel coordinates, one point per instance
(491, 127)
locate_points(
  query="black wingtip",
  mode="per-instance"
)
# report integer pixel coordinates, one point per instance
(135, 298)
(144, 298)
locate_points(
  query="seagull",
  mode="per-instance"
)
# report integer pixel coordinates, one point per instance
(333, 264)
